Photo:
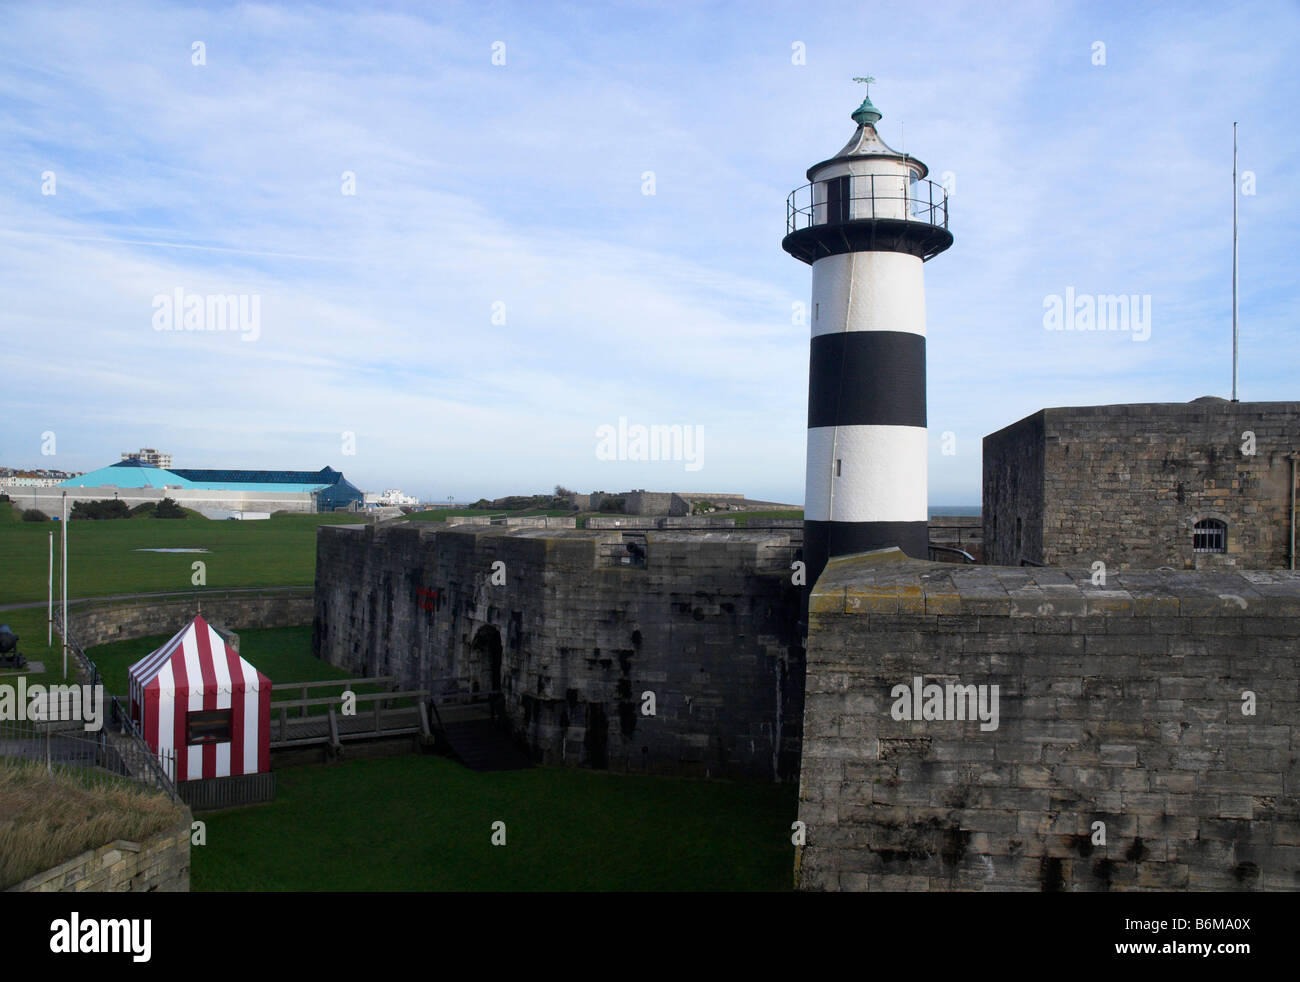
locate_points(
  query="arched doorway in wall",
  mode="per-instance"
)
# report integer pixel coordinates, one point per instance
(485, 657)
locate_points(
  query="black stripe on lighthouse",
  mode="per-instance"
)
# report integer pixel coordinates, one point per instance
(866, 446)
(824, 540)
(867, 377)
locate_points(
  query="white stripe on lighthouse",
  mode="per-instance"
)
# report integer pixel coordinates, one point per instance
(882, 474)
(868, 291)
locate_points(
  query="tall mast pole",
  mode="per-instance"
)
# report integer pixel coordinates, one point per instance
(1234, 262)
(63, 588)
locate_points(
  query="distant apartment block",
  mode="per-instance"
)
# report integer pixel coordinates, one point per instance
(149, 455)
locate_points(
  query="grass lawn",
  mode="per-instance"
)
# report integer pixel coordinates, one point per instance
(280, 551)
(743, 517)
(425, 823)
(45, 819)
(29, 625)
(282, 654)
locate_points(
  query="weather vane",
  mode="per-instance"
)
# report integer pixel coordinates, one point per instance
(867, 80)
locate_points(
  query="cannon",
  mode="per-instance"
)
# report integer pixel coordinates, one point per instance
(10, 656)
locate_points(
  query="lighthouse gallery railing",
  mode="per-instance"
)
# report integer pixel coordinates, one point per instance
(869, 197)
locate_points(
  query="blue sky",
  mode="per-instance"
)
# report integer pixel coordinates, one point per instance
(520, 185)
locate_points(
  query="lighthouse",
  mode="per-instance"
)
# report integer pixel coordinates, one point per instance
(866, 222)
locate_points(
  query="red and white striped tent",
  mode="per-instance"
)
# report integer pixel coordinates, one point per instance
(196, 696)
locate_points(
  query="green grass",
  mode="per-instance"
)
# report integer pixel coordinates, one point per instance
(280, 551)
(743, 517)
(46, 819)
(282, 654)
(29, 625)
(425, 823)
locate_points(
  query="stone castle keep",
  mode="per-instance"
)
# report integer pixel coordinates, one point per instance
(1147, 725)
(573, 637)
(1132, 485)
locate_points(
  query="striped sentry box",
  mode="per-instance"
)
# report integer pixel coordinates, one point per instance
(196, 696)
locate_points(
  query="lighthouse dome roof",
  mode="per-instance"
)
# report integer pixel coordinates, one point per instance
(867, 143)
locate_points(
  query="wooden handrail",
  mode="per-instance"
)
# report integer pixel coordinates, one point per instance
(361, 697)
(376, 680)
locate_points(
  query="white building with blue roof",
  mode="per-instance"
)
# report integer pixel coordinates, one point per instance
(138, 482)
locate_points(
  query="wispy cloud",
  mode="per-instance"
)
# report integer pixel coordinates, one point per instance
(516, 190)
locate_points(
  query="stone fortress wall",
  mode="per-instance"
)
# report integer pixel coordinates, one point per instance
(159, 863)
(104, 621)
(576, 630)
(1163, 705)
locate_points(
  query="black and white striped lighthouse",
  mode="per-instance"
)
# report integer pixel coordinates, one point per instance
(866, 223)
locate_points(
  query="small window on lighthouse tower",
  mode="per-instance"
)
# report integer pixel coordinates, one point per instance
(839, 468)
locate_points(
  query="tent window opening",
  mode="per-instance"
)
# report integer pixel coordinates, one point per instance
(207, 727)
(1210, 535)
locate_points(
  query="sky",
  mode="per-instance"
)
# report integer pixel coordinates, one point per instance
(475, 234)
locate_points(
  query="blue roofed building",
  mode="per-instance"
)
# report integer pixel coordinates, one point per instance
(333, 491)
(137, 481)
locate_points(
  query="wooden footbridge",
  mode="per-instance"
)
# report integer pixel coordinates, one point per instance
(451, 712)
(312, 719)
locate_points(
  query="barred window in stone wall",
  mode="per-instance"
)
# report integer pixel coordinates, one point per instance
(1210, 535)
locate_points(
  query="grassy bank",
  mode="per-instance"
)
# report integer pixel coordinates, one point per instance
(425, 823)
(45, 820)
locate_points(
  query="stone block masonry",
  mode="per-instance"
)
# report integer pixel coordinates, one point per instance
(1125, 485)
(161, 863)
(575, 631)
(99, 623)
(1161, 710)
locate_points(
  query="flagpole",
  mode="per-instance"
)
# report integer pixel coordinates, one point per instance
(1234, 262)
(49, 604)
(63, 588)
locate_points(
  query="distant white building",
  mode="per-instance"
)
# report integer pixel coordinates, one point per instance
(150, 456)
(46, 479)
(391, 497)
